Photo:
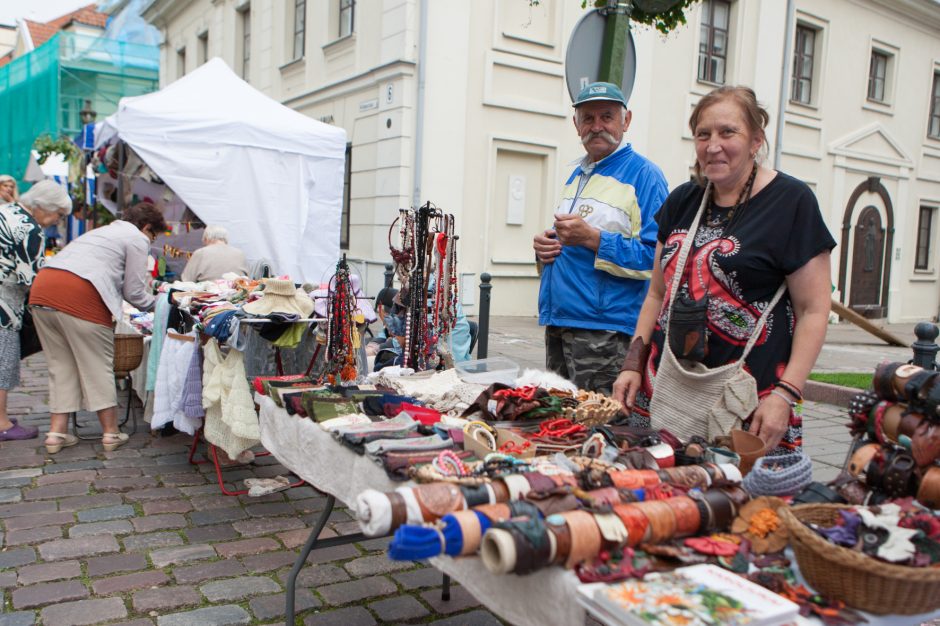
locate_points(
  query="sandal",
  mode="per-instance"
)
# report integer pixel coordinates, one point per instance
(65, 440)
(113, 441)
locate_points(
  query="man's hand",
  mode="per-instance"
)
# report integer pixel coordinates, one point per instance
(572, 230)
(546, 246)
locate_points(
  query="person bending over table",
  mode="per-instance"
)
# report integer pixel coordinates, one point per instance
(74, 301)
(22, 245)
(760, 228)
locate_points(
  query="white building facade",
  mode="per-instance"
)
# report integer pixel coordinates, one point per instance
(464, 103)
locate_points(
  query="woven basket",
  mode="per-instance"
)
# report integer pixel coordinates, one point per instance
(594, 409)
(128, 352)
(861, 581)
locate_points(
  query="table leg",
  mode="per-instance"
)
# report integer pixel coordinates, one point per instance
(314, 541)
(445, 588)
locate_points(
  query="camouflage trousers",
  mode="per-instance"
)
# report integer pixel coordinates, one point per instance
(591, 359)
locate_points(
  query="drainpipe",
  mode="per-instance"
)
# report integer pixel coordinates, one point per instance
(784, 80)
(419, 105)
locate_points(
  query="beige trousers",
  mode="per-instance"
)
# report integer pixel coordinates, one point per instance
(80, 358)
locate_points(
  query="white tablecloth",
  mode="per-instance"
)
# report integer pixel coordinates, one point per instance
(544, 597)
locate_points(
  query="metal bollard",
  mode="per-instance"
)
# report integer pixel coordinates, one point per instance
(925, 348)
(483, 336)
(389, 274)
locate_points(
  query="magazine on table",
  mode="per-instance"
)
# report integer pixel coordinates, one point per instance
(699, 595)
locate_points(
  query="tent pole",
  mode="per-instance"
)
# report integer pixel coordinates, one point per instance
(120, 180)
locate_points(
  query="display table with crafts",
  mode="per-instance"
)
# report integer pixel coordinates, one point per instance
(546, 596)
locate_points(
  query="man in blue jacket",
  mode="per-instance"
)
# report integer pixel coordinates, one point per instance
(597, 259)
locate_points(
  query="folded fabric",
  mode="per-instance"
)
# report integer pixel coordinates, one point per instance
(259, 381)
(431, 442)
(375, 405)
(346, 420)
(402, 422)
(320, 406)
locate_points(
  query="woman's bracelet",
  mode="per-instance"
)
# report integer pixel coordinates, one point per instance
(786, 399)
(637, 355)
(791, 389)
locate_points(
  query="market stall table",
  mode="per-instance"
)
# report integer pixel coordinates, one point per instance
(547, 596)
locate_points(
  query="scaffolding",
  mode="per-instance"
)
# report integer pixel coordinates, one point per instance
(45, 90)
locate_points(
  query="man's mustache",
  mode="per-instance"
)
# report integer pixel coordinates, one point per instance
(603, 134)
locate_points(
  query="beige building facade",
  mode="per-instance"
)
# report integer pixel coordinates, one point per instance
(464, 103)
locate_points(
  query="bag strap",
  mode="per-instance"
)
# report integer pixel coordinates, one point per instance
(680, 268)
(684, 255)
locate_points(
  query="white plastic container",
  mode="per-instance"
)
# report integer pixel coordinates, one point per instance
(487, 371)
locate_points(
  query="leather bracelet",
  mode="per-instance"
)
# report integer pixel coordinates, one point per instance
(928, 492)
(862, 457)
(688, 517)
(539, 482)
(892, 422)
(558, 527)
(626, 479)
(399, 509)
(705, 514)
(585, 537)
(494, 512)
(722, 509)
(637, 355)
(438, 499)
(500, 490)
(714, 472)
(498, 551)
(739, 497)
(605, 497)
(662, 520)
(517, 485)
(613, 531)
(883, 381)
(634, 521)
(792, 390)
(909, 423)
(470, 530)
(475, 495)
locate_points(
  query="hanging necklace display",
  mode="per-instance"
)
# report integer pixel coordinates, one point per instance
(428, 247)
(341, 333)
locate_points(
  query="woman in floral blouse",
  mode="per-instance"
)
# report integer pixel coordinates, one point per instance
(22, 246)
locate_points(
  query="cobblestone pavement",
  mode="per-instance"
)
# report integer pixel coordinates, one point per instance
(139, 536)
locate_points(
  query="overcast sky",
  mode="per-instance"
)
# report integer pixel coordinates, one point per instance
(38, 10)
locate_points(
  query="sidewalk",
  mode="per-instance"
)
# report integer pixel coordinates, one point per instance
(139, 536)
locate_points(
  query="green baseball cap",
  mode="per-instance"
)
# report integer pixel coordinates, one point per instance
(600, 91)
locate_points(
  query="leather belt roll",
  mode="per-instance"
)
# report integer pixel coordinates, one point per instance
(585, 537)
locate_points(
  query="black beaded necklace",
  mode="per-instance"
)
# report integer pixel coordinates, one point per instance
(743, 198)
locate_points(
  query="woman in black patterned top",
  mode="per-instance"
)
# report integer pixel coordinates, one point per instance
(22, 245)
(760, 228)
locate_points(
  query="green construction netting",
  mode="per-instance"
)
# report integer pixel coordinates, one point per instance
(44, 91)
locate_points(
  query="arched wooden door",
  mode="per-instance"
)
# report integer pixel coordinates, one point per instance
(872, 240)
(867, 264)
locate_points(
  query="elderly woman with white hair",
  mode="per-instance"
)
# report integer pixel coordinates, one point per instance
(215, 258)
(22, 245)
(8, 189)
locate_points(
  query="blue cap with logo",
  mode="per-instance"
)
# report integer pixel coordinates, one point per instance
(600, 91)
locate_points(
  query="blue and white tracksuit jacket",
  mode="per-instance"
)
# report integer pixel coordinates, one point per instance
(620, 195)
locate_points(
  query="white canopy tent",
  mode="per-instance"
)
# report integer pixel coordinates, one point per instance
(272, 176)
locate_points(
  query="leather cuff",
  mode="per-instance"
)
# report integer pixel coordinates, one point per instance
(637, 355)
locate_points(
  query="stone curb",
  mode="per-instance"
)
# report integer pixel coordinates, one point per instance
(825, 393)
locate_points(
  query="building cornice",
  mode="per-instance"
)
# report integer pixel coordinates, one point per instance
(352, 83)
(925, 13)
(160, 12)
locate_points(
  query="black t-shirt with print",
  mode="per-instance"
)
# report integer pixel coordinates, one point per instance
(739, 265)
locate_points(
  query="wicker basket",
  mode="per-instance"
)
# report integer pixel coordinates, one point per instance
(594, 409)
(861, 581)
(128, 352)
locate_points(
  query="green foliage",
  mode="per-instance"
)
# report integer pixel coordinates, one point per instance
(856, 380)
(663, 21)
(45, 145)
